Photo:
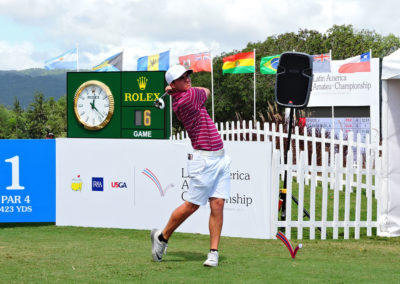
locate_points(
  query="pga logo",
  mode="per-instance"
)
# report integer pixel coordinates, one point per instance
(118, 184)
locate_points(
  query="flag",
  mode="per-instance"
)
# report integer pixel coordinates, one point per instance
(322, 63)
(239, 63)
(113, 63)
(197, 62)
(269, 64)
(156, 62)
(67, 60)
(360, 63)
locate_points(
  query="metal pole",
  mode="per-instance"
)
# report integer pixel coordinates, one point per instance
(254, 111)
(212, 88)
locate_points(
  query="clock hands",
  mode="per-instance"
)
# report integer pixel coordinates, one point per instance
(101, 116)
(94, 96)
(98, 112)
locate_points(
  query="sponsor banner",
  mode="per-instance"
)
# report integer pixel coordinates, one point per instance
(345, 89)
(349, 89)
(143, 181)
(27, 181)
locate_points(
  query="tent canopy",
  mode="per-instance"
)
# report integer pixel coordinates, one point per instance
(389, 215)
(391, 66)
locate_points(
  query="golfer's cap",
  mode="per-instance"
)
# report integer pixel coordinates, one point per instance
(174, 72)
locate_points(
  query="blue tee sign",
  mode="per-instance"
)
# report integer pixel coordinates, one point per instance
(27, 181)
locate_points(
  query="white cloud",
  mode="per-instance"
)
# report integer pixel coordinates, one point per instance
(17, 56)
(104, 27)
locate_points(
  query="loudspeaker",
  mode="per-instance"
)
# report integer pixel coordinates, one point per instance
(293, 79)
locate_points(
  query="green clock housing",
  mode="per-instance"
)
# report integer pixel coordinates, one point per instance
(131, 113)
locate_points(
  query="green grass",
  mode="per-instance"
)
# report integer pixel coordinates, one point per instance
(49, 254)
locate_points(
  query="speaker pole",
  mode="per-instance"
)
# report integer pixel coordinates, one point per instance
(283, 191)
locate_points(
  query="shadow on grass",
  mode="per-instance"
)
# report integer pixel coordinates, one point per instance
(14, 225)
(187, 256)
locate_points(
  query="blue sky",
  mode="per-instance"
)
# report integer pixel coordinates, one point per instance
(32, 31)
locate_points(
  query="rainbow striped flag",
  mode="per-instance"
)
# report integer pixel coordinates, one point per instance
(239, 63)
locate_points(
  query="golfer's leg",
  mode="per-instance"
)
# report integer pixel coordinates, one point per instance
(216, 220)
(179, 215)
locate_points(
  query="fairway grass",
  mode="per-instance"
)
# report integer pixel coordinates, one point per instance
(49, 254)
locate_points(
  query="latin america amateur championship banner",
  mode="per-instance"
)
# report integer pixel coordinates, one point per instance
(123, 183)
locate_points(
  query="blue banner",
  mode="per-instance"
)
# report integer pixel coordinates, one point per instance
(27, 181)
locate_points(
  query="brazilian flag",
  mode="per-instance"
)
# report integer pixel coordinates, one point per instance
(269, 64)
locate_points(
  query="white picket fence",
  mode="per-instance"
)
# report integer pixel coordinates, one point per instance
(348, 171)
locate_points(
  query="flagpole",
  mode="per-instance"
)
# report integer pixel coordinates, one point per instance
(170, 115)
(212, 87)
(77, 57)
(332, 108)
(254, 111)
(122, 64)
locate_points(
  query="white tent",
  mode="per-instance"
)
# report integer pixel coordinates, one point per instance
(389, 217)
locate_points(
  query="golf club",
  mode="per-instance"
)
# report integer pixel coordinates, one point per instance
(159, 103)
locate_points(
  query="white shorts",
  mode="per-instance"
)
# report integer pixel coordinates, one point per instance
(209, 173)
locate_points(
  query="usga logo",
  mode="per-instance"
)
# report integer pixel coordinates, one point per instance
(118, 184)
(97, 184)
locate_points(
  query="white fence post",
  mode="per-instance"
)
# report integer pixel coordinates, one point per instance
(312, 194)
(289, 196)
(324, 195)
(336, 196)
(349, 178)
(300, 179)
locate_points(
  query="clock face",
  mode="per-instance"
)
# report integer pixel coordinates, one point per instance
(93, 105)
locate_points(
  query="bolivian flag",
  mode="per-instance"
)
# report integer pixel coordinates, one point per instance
(239, 63)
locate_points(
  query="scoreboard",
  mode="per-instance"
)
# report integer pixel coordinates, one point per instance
(117, 105)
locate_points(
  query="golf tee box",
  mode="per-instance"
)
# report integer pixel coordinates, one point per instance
(117, 105)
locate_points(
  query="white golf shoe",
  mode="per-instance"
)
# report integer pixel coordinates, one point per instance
(212, 259)
(158, 248)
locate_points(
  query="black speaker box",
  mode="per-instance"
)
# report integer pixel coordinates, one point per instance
(293, 79)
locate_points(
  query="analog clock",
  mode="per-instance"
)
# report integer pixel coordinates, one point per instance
(93, 105)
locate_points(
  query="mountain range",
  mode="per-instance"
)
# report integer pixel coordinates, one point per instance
(24, 84)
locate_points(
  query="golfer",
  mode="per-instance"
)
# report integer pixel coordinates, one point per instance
(207, 167)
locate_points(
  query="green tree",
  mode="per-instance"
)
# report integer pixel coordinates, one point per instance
(37, 118)
(5, 117)
(56, 116)
(19, 125)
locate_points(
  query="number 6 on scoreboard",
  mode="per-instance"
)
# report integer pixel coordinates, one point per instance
(147, 117)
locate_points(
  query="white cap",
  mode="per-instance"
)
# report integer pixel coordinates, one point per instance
(176, 71)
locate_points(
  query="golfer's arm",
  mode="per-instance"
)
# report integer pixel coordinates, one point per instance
(206, 90)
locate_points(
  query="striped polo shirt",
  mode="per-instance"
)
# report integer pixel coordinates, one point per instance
(190, 110)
